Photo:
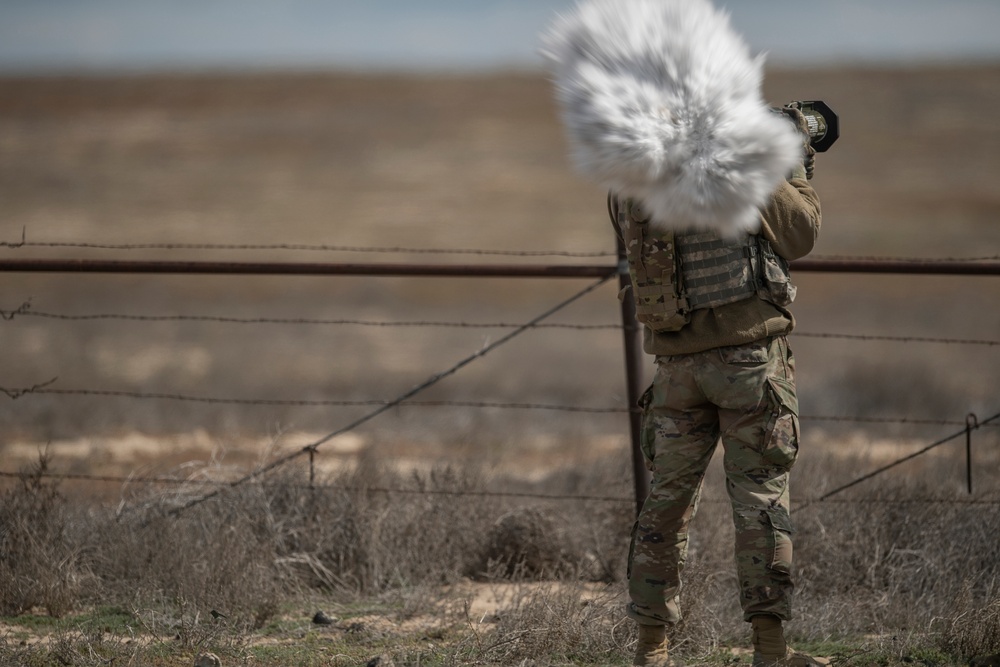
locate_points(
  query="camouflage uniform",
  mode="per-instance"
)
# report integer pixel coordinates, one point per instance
(729, 374)
(746, 394)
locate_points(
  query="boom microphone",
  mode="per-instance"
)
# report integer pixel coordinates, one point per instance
(662, 102)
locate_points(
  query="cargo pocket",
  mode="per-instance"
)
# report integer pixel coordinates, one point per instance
(781, 438)
(781, 528)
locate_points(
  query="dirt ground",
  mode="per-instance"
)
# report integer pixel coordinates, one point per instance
(449, 164)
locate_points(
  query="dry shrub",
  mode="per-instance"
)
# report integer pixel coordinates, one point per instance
(39, 564)
(598, 530)
(895, 562)
(362, 532)
(373, 529)
(220, 554)
(527, 543)
(559, 622)
(972, 631)
(201, 562)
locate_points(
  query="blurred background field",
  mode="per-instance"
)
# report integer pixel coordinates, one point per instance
(450, 163)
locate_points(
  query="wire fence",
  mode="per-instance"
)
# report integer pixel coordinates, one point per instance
(378, 407)
(47, 388)
(26, 310)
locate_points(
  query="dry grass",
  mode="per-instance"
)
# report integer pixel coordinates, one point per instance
(38, 564)
(406, 549)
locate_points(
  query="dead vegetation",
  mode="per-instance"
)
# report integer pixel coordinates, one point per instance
(397, 557)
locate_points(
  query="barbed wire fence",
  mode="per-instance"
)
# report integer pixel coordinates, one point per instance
(26, 310)
(959, 266)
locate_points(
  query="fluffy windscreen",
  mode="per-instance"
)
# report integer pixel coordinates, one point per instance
(662, 102)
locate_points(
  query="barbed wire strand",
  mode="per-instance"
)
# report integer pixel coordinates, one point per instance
(44, 388)
(434, 379)
(878, 471)
(172, 481)
(887, 420)
(898, 339)
(24, 310)
(308, 248)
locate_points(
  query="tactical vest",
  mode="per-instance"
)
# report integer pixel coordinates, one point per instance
(674, 273)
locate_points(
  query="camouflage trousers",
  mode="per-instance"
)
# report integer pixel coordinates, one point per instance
(746, 395)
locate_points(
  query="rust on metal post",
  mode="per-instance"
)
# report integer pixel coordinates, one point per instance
(633, 379)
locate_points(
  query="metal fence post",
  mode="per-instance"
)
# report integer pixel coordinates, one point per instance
(633, 379)
(971, 422)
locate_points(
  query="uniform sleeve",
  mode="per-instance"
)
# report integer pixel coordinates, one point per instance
(791, 220)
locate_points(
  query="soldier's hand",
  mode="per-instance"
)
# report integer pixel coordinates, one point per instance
(809, 161)
(808, 152)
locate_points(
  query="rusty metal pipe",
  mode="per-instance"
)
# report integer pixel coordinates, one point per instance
(302, 269)
(457, 270)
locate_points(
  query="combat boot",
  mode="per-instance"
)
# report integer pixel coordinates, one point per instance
(651, 650)
(770, 649)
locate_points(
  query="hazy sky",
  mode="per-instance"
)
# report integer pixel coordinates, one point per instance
(450, 34)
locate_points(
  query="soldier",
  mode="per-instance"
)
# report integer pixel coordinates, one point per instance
(715, 315)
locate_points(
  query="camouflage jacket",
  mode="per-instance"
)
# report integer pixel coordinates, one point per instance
(790, 222)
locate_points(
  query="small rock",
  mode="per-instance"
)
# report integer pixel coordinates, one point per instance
(380, 661)
(322, 619)
(207, 660)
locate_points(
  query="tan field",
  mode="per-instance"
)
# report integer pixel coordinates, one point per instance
(201, 377)
(447, 163)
